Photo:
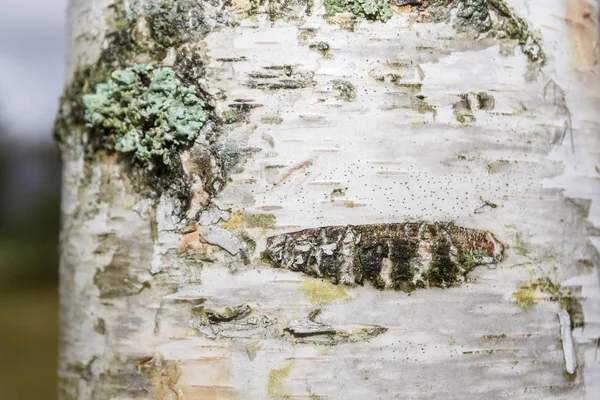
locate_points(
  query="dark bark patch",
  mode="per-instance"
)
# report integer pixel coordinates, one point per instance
(402, 256)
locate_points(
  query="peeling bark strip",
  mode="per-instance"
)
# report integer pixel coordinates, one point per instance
(401, 256)
(240, 323)
(566, 338)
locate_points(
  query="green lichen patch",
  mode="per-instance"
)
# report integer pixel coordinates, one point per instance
(174, 22)
(469, 103)
(464, 118)
(233, 116)
(419, 104)
(120, 104)
(288, 10)
(70, 121)
(376, 10)
(347, 91)
(146, 112)
(137, 31)
(487, 18)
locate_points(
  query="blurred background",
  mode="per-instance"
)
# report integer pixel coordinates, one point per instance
(32, 58)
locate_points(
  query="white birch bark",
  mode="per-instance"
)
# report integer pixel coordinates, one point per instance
(144, 293)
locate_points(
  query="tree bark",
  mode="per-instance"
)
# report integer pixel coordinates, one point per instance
(375, 200)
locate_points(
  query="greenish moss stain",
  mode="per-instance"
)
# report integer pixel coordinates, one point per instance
(318, 291)
(250, 242)
(233, 116)
(498, 336)
(369, 9)
(564, 296)
(463, 118)
(280, 9)
(144, 111)
(488, 203)
(524, 297)
(276, 120)
(520, 245)
(419, 104)
(115, 281)
(275, 385)
(412, 87)
(260, 220)
(240, 220)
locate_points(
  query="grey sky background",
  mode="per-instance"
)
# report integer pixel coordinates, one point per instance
(32, 66)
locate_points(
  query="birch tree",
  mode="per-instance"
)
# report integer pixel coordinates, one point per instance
(357, 199)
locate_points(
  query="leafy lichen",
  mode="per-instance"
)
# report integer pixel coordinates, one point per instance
(140, 31)
(145, 112)
(369, 9)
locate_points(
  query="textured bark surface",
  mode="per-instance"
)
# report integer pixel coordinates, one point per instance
(345, 157)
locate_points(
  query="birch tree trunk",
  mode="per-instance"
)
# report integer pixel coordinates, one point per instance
(341, 199)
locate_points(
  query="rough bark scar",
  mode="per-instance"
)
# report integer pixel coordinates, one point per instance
(402, 256)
